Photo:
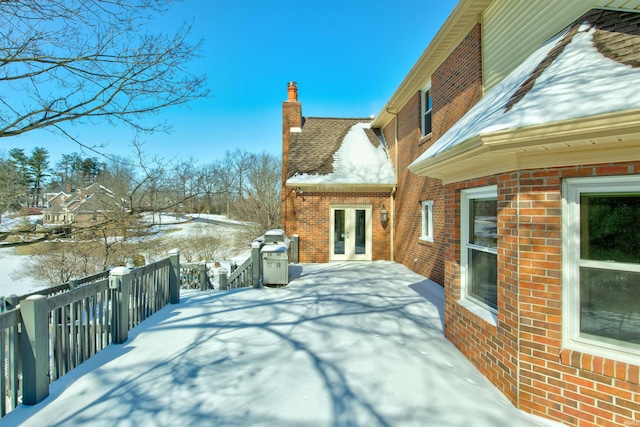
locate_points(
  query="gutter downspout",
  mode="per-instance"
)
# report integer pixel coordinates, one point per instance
(392, 202)
(518, 315)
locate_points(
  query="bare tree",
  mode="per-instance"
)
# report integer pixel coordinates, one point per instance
(237, 164)
(185, 185)
(61, 262)
(261, 206)
(62, 61)
(118, 174)
(225, 182)
(208, 183)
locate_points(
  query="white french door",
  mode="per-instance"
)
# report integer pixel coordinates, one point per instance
(350, 238)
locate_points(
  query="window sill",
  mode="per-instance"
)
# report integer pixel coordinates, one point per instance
(424, 139)
(484, 314)
(573, 351)
(424, 240)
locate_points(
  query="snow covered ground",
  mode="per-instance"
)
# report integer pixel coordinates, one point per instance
(13, 281)
(347, 344)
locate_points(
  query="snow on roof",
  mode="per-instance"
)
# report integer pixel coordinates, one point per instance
(357, 161)
(580, 82)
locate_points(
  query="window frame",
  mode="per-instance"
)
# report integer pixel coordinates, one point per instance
(476, 305)
(572, 189)
(425, 95)
(427, 220)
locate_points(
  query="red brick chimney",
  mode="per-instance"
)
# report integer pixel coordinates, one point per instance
(291, 118)
(292, 92)
(291, 108)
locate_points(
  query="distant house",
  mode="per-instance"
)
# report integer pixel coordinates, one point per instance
(516, 142)
(92, 205)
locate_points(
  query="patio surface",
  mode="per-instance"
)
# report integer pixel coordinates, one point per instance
(347, 344)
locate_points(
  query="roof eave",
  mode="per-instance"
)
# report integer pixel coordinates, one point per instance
(604, 138)
(461, 20)
(341, 187)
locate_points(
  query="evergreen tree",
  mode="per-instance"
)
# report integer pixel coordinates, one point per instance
(38, 164)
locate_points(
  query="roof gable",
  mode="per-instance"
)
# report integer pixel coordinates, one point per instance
(312, 147)
(582, 72)
(338, 151)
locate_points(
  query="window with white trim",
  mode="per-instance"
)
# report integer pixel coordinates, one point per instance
(479, 246)
(426, 110)
(601, 265)
(427, 220)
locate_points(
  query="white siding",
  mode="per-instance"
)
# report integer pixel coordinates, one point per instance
(513, 29)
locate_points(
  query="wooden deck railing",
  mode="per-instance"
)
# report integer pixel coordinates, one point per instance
(50, 333)
(45, 334)
(11, 372)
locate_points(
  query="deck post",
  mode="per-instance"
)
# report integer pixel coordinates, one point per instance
(174, 277)
(223, 279)
(35, 349)
(255, 263)
(296, 247)
(203, 277)
(119, 282)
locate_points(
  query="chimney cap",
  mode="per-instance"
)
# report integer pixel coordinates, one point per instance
(292, 92)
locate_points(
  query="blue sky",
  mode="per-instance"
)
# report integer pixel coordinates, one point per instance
(347, 56)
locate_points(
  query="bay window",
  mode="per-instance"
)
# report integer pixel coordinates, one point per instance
(601, 265)
(479, 246)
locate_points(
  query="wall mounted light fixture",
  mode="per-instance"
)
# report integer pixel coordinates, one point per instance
(384, 217)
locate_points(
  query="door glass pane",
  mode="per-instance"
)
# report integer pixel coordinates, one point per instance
(483, 277)
(609, 227)
(483, 227)
(360, 232)
(610, 304)
(338, 232)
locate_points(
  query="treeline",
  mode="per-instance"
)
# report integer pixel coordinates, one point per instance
(241, 185)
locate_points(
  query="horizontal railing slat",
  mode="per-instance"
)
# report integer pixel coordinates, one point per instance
(9, 318)
(93, 277)
(77, 294)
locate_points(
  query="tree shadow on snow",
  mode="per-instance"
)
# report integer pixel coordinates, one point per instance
(344, 344)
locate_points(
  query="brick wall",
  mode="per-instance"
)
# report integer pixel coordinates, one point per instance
(423, 257)
(455, 87)
(576, 388)
(291, 117)
(493, 350)
(312, 223)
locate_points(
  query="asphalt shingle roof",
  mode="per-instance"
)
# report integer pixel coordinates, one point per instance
(311, 150)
